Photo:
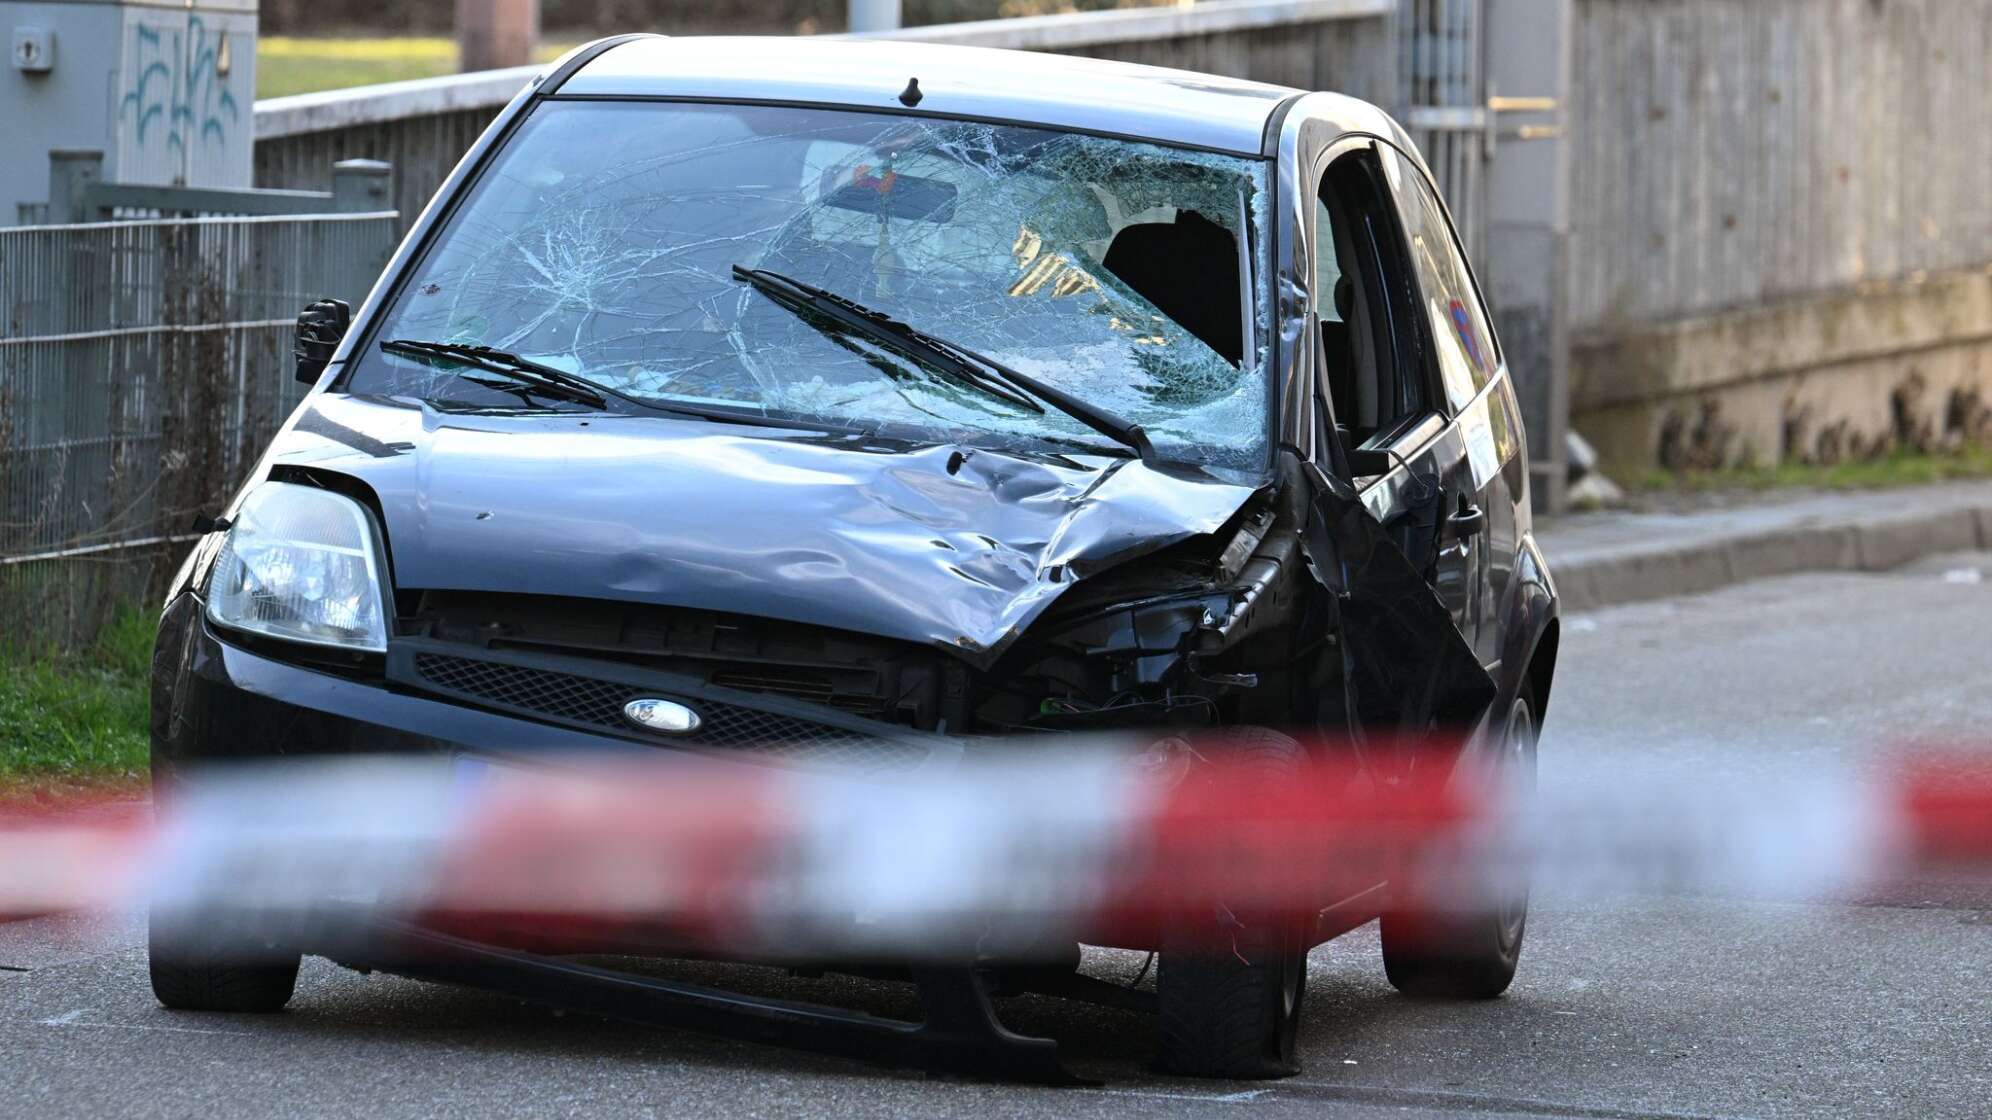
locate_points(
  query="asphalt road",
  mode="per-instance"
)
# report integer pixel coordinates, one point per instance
(1655, 1007)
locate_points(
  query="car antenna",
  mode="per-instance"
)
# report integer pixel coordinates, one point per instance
(910, 96)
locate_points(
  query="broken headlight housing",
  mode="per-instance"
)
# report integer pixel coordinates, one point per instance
(303, 565)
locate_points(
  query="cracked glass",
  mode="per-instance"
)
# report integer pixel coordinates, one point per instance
(603, 241)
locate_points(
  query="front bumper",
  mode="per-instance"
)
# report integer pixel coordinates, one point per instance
(215, 701)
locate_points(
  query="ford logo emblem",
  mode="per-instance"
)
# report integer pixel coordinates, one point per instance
(667, 716)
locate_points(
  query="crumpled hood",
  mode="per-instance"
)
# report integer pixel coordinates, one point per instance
(796, 526)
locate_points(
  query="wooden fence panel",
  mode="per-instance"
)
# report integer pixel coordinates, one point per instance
(1729, 153)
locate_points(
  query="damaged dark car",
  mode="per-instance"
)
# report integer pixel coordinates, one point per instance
(860, 405)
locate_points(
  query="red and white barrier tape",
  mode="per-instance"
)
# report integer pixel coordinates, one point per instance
(1072, 843)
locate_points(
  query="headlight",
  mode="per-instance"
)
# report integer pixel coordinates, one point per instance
(301, 564)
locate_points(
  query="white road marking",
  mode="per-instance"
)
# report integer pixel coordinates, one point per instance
(1474, 1102)
(1245, 1096)
(71, 1019)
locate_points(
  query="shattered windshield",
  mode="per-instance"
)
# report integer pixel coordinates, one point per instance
(603, 243)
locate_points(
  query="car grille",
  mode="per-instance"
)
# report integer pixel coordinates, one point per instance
(570, 698)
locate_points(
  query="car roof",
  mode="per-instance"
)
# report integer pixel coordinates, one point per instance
(1178, 107)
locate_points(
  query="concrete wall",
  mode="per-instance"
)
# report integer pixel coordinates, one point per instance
(422, 127)
(1780, 214)
(1847, 374)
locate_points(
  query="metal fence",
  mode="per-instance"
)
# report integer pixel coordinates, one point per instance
(1443, 95)
(143, 365)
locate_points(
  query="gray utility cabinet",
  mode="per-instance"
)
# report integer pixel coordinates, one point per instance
(167, 91)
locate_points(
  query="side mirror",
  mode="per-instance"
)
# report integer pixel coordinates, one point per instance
(319, 329)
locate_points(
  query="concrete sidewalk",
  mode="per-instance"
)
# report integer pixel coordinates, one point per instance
(1599, 559)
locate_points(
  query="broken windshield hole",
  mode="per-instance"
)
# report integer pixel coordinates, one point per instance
(1179, 267)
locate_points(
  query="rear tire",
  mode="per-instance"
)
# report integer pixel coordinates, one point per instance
(1230, 987)
(1469, 954)
(195, 969)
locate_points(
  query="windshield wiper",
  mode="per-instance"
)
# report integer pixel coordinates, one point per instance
(981, 371)
(549, 381)
(542, 379)
(880, 327)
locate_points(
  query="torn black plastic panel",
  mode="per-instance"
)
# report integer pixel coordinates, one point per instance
(1406, 665)
(960, 1033)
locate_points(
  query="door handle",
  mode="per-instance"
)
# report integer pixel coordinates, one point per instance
(1470, 520)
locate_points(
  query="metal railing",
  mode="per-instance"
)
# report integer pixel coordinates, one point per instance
(143, 366)
(78, 192)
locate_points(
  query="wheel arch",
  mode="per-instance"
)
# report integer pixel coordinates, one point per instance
(1541, 667)
(1534, 629)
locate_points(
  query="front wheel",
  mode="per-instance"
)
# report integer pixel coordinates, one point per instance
(1469, 953)
(1229, 985)
(195, 968)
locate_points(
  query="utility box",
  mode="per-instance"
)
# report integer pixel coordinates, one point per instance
(167, 93)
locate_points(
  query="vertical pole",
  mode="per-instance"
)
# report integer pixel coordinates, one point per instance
(874, 15)
(493, 34)
(70, 174)
(1528, 225)
(360, 186)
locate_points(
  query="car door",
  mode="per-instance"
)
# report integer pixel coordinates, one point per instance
(1379, 376)
(1480, 530)
(1384, 420)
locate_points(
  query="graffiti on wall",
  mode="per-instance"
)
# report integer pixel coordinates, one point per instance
(177, 95)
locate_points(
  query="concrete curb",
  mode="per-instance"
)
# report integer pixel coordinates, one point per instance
(1863, 539)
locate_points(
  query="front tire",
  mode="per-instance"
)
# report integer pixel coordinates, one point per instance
(1230, 986)
(195, 969)
(1472, 953)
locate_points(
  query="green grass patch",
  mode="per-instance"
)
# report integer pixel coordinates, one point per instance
(79, 719)
(287, 65)
(1904, 469)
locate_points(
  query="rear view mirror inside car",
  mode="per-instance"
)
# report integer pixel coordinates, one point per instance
(894, 194)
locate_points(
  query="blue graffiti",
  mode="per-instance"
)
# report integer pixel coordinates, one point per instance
(177, 78)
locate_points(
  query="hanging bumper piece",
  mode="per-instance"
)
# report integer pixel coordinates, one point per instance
(960, 1035)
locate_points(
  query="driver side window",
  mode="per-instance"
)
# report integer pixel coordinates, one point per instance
(1371, 367)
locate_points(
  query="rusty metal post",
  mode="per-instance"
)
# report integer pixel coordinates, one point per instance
(494, 34)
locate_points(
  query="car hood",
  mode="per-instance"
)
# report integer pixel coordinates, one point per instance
(941, 545)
